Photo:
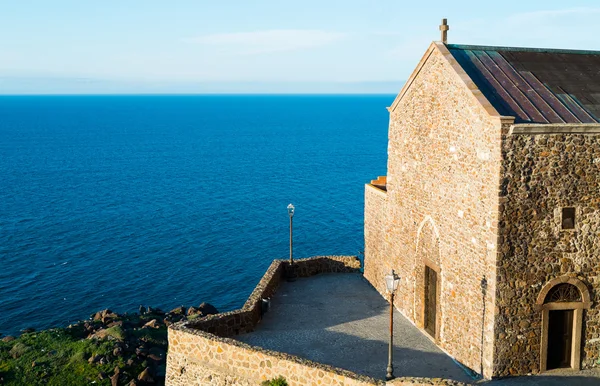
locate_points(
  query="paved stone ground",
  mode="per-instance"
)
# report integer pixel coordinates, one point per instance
(551, 378)
(340, 320)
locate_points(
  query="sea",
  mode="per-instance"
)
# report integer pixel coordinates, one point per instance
(120, 201)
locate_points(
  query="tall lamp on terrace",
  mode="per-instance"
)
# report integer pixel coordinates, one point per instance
(391, 284)
(291, 276)
(290, 209)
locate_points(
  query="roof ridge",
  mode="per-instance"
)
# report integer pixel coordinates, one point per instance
(520, 49)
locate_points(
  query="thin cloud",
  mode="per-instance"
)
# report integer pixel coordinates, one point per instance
(270, 41)
(551, 14)
(574, 28)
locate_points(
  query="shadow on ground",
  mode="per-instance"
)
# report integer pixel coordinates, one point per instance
(340, 320)
(560, 378)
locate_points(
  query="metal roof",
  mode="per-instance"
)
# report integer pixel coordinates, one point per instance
(535, 85)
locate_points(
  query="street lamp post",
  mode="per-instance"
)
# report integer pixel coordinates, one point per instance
(291, 209)
(391, 284)
(291, 276)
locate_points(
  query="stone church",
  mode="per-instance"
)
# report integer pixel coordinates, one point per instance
(490, 210)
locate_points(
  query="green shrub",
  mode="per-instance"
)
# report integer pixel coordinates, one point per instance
(279, 381)
(78, 357)
(116, 332)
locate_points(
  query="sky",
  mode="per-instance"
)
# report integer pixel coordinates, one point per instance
(259, 46)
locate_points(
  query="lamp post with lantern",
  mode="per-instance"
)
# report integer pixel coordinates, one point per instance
(291, 275)
(391, 284)
(291, 209)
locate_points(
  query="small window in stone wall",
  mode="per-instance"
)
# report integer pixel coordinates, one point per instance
(568, 218)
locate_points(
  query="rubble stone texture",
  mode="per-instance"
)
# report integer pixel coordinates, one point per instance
(544, 173)
(473, 200)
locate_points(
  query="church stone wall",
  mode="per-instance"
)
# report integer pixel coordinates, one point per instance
(442, 199)
(541, 174)
(375, 233)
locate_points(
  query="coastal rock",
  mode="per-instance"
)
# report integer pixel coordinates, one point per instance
(28, 330)
(94, 359)
(142, 310)
(155, 358)
(97, 315)
(175, 315)
(193, 311)
(141, 351)
(155, 311)
(178, 311)
(18, 349)
(145, 376)
(207, 309)
(118, 351)
(104, 315)
(8, 338)
(114, 380)
(151, 324)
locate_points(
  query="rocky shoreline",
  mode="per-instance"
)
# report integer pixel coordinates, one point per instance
(108, 349)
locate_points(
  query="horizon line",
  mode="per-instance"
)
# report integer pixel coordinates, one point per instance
(201, 94)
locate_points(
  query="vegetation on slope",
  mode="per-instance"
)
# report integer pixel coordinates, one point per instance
(109, 349)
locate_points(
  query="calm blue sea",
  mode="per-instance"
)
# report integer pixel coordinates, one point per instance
(117, 201)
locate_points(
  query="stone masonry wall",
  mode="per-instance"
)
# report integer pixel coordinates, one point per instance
(442, 200)
(375, 232)
(204, 359)
(542, 174)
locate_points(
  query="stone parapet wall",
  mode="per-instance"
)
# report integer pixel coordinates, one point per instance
(200, 358)
(245, 319)
(418, 381)
(327, 264)
(544, 173)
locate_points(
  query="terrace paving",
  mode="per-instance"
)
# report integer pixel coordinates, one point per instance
(340, 320)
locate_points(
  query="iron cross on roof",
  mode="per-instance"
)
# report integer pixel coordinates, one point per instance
(444, 27)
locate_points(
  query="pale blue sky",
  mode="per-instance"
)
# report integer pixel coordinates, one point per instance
(74, 46)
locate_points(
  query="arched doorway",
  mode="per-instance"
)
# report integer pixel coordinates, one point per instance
(428, 279)
(562, 302)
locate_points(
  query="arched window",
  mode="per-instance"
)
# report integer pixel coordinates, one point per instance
(563, 293)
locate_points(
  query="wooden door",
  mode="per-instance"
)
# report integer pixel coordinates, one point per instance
(560, 338)
(430, 300)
